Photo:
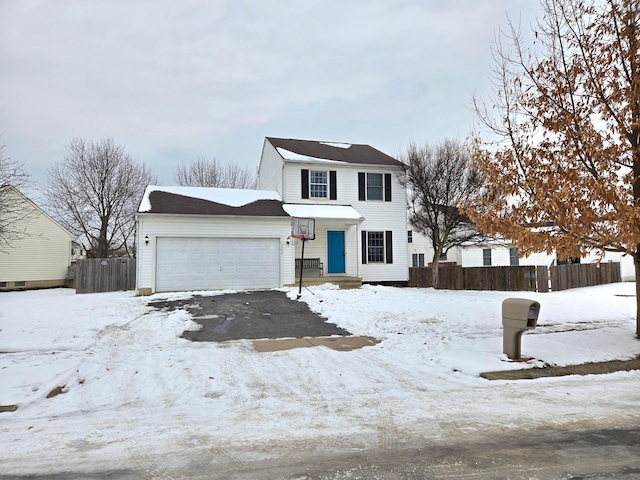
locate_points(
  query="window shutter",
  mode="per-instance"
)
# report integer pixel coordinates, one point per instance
(364, 247)
(388, 245)
(333, 187)
(387, 188)
(362, 186)
(305, 183)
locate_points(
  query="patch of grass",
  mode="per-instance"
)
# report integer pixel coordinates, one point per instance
(56, 391)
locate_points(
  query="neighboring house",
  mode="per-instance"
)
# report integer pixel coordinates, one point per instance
(353, 193)
(503, 253)
(77, 252)
(195, 238)
(41, 256)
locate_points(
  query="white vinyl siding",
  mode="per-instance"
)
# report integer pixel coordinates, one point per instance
(270, 169)
(43, 254)
(379, 215)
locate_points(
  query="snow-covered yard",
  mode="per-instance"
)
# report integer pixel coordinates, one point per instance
(136, 395)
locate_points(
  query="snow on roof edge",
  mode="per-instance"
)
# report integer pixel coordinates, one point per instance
(233, 197)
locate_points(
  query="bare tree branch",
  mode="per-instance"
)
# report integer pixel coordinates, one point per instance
(12, 216)
(202, 172)
(440, 182)
(95, 191)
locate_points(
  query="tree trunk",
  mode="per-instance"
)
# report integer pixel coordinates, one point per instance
(636, 263)
(435, 269)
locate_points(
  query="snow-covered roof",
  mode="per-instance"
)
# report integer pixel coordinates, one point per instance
(314, 151)
(337, 212)
(289, 155)
(233, 197)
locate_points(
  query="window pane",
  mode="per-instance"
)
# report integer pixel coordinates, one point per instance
(317, 184)
(374, 186)
(513, 256)
(421, 260)
(414, 259)
(375, 247)
(486, 257)
(409, 236)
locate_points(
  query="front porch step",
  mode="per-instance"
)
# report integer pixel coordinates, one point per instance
(343, 282)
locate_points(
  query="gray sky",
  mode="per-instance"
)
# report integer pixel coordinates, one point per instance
(175, 80)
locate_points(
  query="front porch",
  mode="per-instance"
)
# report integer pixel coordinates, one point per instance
(343, 281)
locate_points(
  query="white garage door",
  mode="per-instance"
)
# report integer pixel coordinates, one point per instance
(184, 264)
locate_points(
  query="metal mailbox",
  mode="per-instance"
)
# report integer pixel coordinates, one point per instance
(518, 316)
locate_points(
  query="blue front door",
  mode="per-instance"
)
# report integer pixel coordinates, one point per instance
(335, 251)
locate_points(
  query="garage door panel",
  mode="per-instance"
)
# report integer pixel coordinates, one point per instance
(212, 263)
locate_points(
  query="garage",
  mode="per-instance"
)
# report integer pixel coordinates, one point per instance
(194, 263)
(199, 238)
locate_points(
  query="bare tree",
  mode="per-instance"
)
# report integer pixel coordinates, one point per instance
(440, 182)
(12, 212)
(562, 139)
(94, 192)
(202, 172)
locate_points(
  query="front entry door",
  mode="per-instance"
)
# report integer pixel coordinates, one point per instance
(335, 251)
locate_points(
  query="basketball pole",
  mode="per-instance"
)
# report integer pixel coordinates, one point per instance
(301, 268)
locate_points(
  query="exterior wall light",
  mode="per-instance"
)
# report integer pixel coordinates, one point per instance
(146, 240)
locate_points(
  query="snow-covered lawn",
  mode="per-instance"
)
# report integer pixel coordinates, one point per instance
(136, 395)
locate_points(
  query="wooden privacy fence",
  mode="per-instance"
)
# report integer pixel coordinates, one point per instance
(517, 278)
(577, 275)
(105, 274)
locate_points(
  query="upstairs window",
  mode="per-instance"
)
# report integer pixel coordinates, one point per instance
(409, 236)
(374, 186)
(318, 184)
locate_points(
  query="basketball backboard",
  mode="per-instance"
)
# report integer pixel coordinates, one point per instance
(304, 228)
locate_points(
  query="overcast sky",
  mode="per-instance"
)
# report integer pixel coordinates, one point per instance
(174, 80)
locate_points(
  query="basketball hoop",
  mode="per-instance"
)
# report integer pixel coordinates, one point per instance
(304, 228)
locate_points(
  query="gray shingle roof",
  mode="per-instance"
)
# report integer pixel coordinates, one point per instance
(355, 153)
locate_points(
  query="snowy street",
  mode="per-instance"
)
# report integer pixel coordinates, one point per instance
(137, 397)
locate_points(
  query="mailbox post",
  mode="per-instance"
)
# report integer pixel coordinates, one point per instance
(518, 315)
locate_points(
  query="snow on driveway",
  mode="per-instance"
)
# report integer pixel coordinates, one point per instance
(136, 395)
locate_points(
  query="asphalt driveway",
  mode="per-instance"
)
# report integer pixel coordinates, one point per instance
(251, 315)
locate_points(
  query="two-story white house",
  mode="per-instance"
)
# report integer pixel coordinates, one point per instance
(353, 193)
(191, 238)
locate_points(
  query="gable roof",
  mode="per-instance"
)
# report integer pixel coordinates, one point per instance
(211, 201)
(10, 189)
(310, 150)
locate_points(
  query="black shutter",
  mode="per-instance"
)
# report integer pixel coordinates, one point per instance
(362, 186)
(388, 246)
(364, 247)
(333, 187)
(387, 188)
(305, 183)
